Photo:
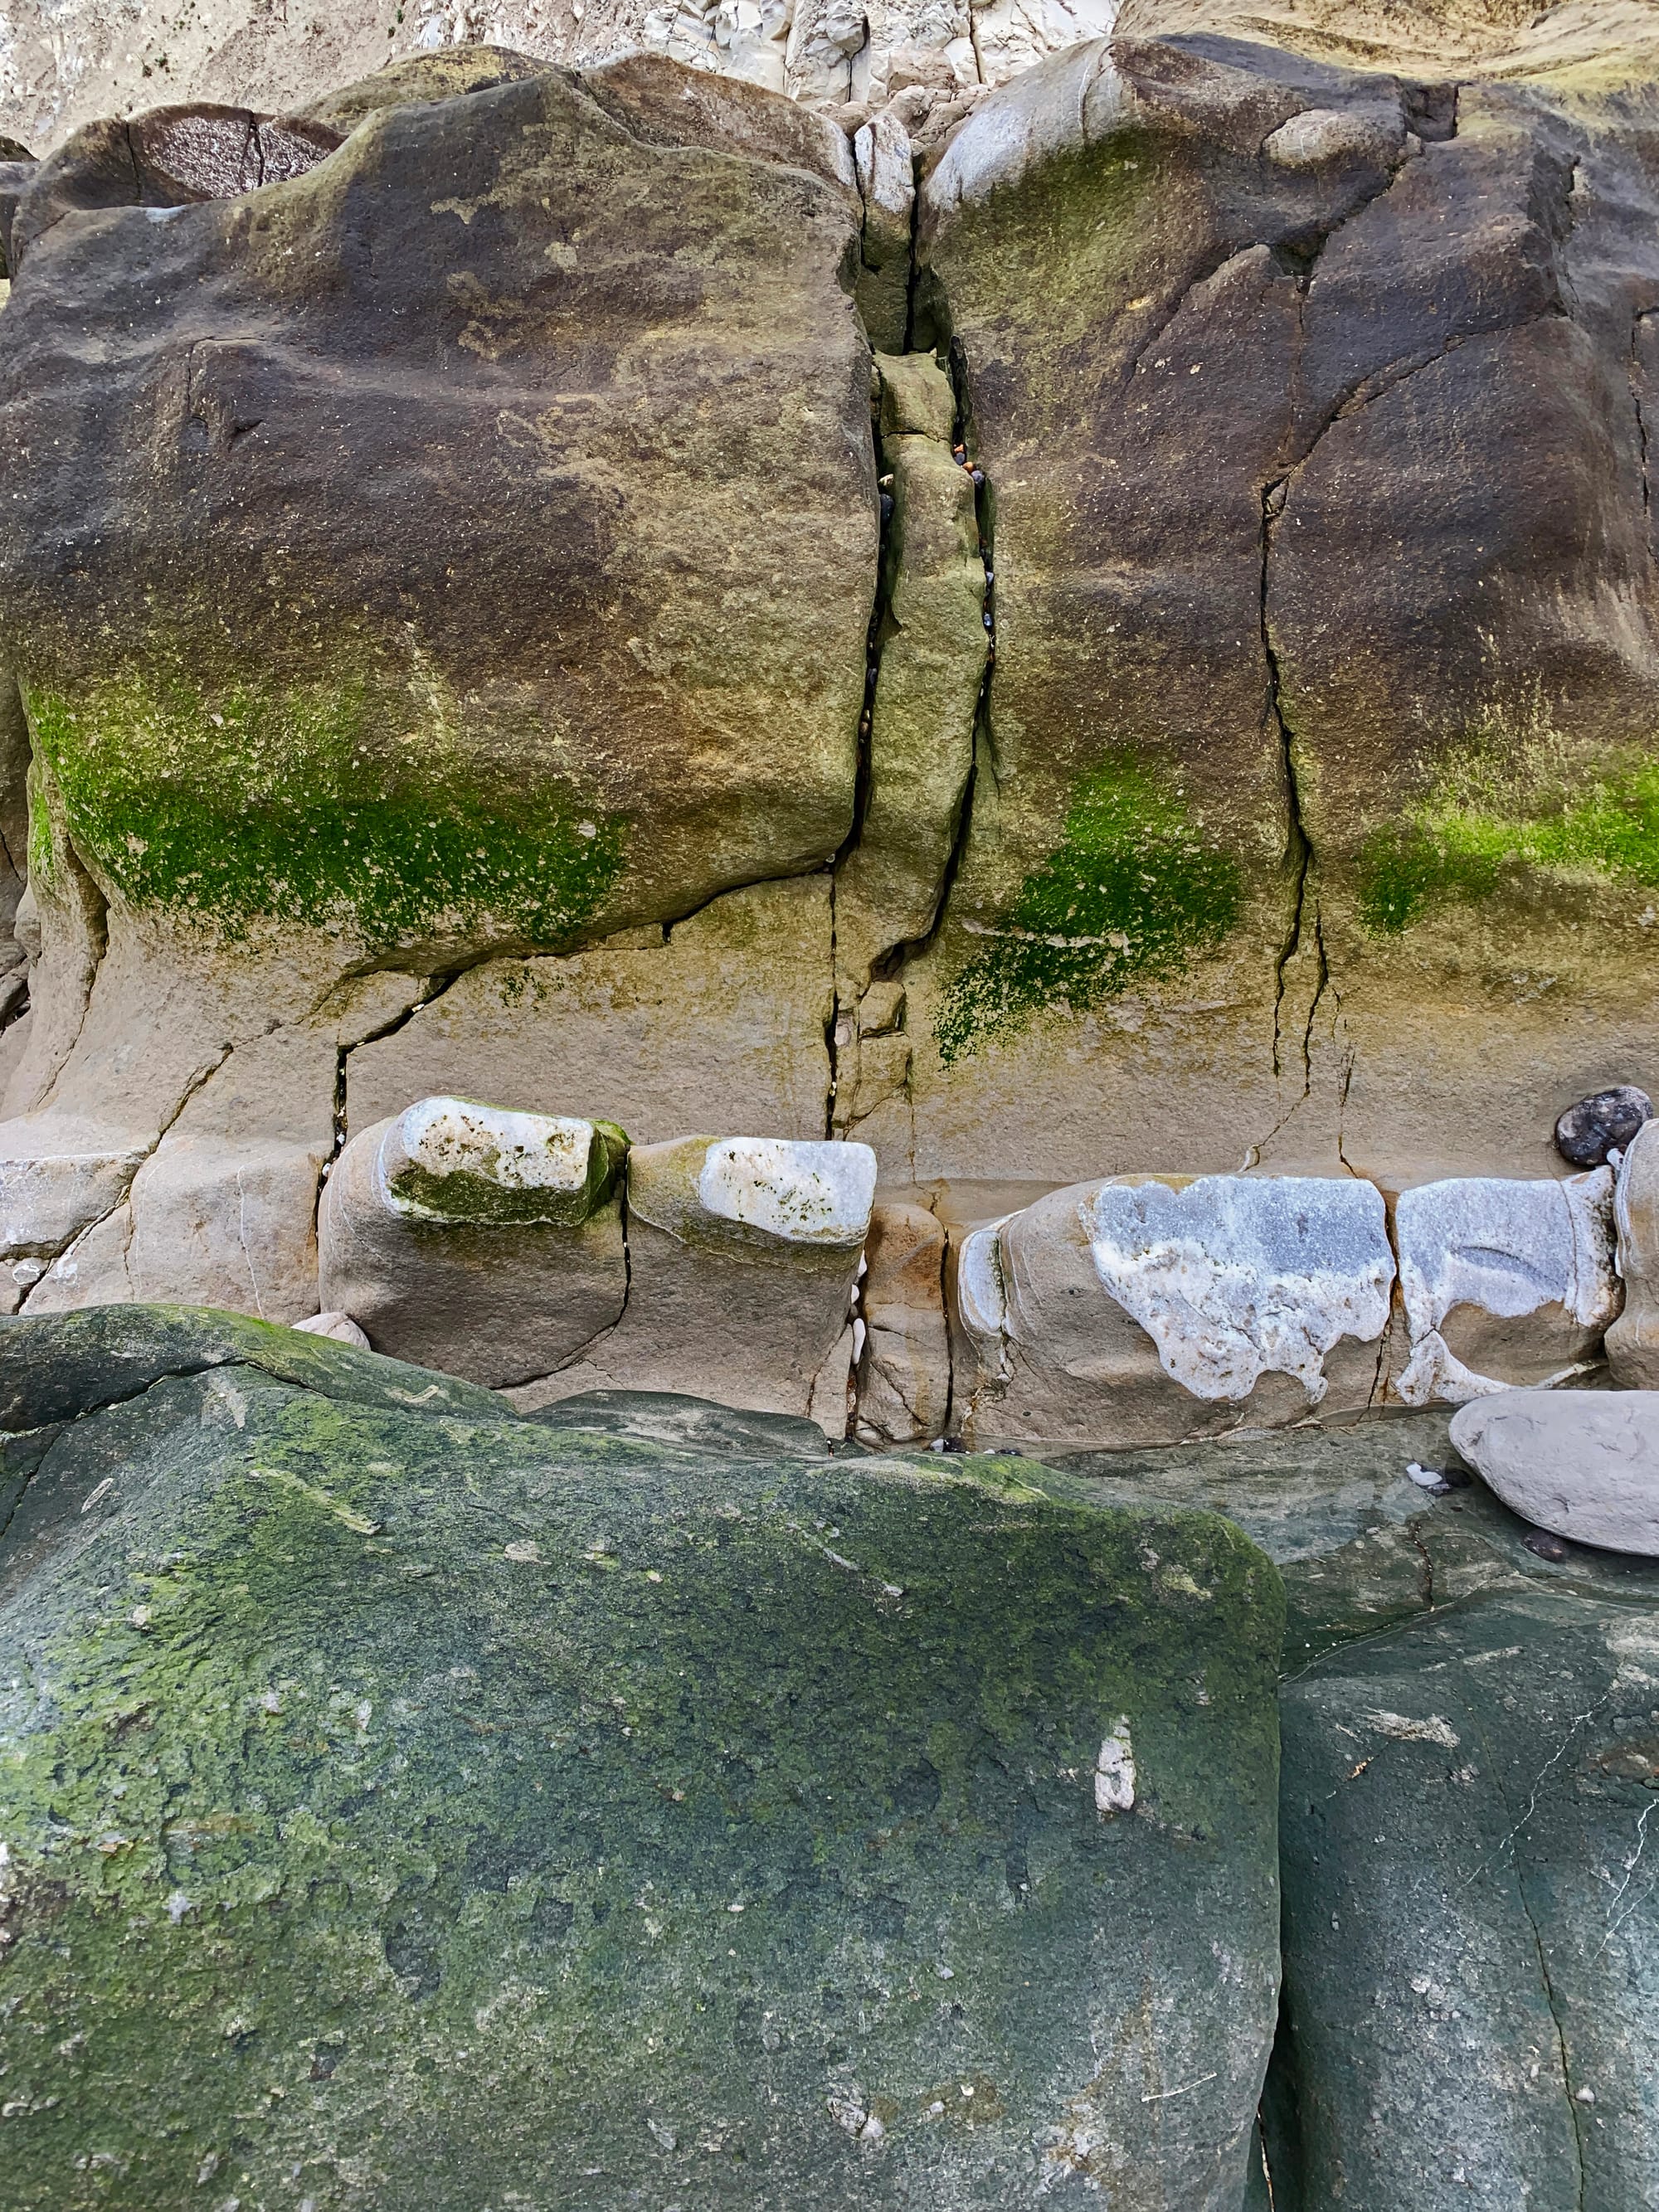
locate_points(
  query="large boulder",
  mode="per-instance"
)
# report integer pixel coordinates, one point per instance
(402, 1801)
(1469, 1938)
(1470, 1762)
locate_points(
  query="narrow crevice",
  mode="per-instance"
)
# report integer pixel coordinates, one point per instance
(983, 756)
(874, 639)
(913, 282)
(1299, 853)
(832, 1025)
(432, 990)
(1635, 375)
(52, 1431)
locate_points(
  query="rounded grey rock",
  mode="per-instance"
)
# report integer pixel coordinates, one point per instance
(1588, 1132)
(1582, 1464)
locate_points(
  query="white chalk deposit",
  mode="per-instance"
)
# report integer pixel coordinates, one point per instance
(1232, 1276)
(1503, 1248)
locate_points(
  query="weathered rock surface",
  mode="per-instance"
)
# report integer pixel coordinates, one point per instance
(485, 1242)
(903, 1377)
(1266, 829)
(1584, 1464)
(1503, 1284)
(524, 735)
(1469, 1766)
(566, 716)
(1633, 1339)
(1469, 1946)
(720, 1018)
(743, 1255)
(518, 1801)
(1141, 1311)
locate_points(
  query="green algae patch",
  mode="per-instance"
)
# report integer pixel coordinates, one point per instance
(1509, 798)
(406, 1809)
(246, 805)
(1133, 892)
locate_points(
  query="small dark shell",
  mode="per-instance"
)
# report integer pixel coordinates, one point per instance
(1547, 1546)
(1588, 1132)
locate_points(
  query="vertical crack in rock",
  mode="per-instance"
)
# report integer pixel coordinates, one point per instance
(1299, 851)
(1494, 1766)
(983, 755)
(840, 1027)
(1635, 373)
(434, 988)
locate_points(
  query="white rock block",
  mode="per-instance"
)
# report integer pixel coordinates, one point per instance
(1143, 1309)
(743, 1255)
(483, 1242)
(1504, 1283)
(1582, 1463)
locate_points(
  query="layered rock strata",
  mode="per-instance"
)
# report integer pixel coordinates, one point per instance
(911, 665)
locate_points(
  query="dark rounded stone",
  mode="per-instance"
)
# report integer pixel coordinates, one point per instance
(1588, 1132)
(1545, 1544)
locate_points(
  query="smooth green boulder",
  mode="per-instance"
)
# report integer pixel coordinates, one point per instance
(437, 1809)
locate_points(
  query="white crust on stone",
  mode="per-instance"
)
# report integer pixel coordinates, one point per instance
(802, 1192)
(1507, 1249)
(487, 1144)
(1233, 1276)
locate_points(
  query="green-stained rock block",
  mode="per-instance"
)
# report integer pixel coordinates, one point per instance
(441, 1811)
(1472, 1953)
(54, 1367)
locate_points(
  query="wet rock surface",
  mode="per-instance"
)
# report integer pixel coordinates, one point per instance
(404, 1800)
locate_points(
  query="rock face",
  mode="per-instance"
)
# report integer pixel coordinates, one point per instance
(528, 735)
(742, 1253)
(681, 1820)
(734, 627)
(1265, 829)
(1584, 1464)
(1469, 1936)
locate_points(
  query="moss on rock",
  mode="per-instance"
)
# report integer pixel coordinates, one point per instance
(1134, 891)
(1509, 798)
(247, 804)
(451, 1811)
